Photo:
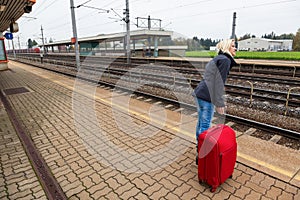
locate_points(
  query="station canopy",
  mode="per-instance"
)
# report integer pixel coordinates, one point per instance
(12, 10)
(134, 35)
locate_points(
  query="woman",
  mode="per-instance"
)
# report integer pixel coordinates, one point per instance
(209, 92)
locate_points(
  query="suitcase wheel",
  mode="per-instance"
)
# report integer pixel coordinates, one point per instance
(213, 189)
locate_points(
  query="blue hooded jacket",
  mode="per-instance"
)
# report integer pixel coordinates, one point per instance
(212, 86)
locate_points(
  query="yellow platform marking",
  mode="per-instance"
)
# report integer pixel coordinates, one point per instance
(267, 165)
(297, 177)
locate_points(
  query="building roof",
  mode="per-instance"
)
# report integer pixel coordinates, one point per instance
(137, 34)
(266, 39)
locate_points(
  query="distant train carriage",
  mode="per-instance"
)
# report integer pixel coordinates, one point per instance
(30, 50)
(36, 50)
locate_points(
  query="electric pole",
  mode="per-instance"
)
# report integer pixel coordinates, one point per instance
(233, 26)
(75, 34)
(127, 20)
(19, 41)
(150, 23)
(233, 29)
(12, 42)
(43, 52)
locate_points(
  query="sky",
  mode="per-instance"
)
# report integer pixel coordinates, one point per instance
(187, 18)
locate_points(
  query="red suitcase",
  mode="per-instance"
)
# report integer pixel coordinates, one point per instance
(217, 150)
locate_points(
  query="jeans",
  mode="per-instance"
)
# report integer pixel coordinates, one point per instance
(205, 114)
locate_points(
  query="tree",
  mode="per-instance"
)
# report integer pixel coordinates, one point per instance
(286, 36)
(166, 41)
(246, 36)
(296, 41)
(270, 36)
(194, 44)
(180, 41)
(34, 43)
(29, 43)
(200, 44)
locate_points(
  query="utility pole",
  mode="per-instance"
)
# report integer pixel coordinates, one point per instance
(233, 30)
(233, 26)
(75, 34)
(127, 20)
(43, 40)
(150, 23)
(19, 41)
(12, 42)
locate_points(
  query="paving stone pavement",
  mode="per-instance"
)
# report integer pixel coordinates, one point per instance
(17, 178)
(97, 151)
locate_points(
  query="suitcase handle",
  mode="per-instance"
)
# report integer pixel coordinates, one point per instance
(218, 126)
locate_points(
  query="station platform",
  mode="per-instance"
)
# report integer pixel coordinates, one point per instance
(100, 143)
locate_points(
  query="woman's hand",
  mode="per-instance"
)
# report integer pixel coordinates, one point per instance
(220, 110)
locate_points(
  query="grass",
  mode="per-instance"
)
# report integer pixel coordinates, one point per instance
(250, 55)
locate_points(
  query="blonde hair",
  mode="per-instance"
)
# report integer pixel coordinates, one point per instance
(224, 46)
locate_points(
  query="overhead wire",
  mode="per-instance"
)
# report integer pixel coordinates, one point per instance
(181, 18)
(237, 8)
(181, 6)
(177, 18)
(192, 4)
(50, 4)
(57, 27)
(41, 10)
(88, 15)
(106, 5)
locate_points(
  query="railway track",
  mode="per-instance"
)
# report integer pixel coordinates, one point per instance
(190, 70)
(290, 70)
(261, 126)
(161, 74)
(155, 74)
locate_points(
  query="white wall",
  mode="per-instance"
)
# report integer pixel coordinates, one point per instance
(262, 44)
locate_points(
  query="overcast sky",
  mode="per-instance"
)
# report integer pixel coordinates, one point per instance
(201, 18)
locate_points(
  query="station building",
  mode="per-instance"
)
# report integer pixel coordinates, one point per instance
(263, 44)
(143, 43)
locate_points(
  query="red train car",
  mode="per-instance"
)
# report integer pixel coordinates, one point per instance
(31, 50)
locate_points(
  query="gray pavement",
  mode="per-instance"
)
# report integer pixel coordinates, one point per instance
(97, 148)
